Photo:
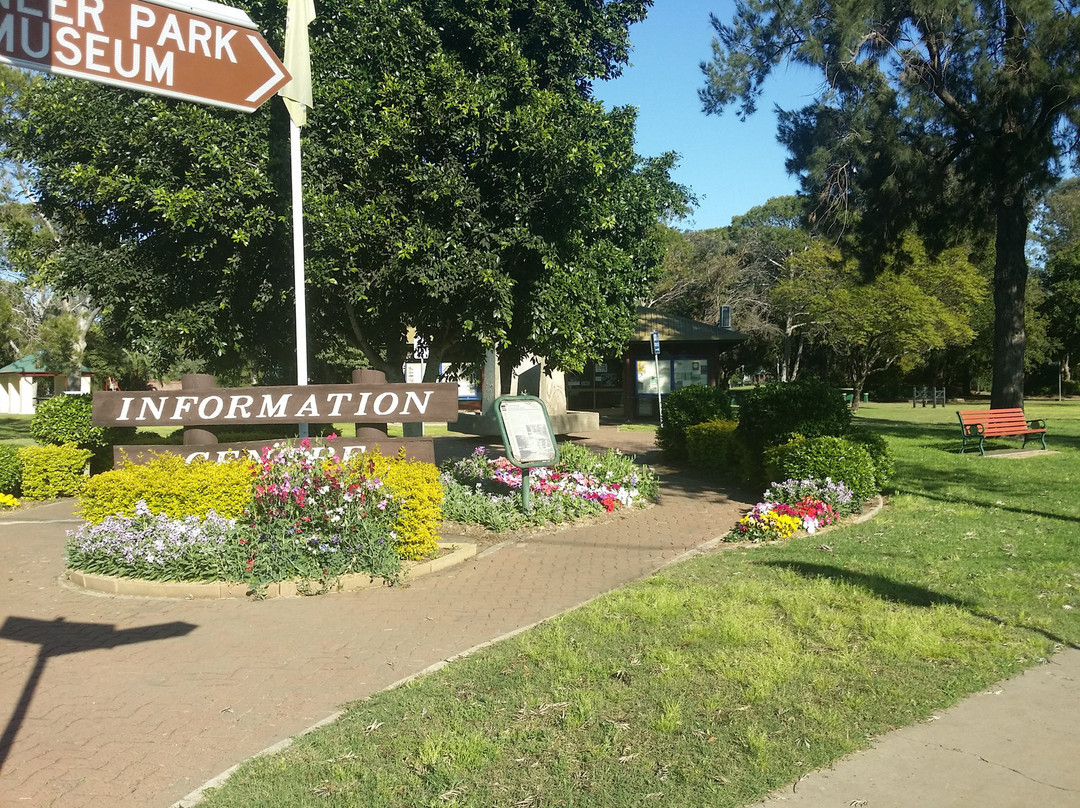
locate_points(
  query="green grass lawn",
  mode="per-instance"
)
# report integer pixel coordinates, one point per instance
(730, 675)
(15, 429)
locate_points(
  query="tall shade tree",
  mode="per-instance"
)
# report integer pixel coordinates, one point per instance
(32, 248)
(460, 180)
(915, 304)
(950, 115)
(738, 266)
(767, 237)
(1058, 234)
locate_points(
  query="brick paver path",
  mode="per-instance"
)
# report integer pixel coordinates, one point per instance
(112, 701)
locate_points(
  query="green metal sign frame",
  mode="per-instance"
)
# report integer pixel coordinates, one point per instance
(528, 436)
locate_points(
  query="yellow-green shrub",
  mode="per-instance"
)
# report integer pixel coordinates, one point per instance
(53, 471)
(170, 486)
(418, 486)
(714, 445)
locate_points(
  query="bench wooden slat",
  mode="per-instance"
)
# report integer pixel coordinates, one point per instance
(998, 423)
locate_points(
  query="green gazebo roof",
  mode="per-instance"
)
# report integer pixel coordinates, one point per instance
(31, 365)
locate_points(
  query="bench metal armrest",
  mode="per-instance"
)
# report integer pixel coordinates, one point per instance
(973, 430)
(1037, 423)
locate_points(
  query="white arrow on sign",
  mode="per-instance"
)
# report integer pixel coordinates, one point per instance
(274, 83)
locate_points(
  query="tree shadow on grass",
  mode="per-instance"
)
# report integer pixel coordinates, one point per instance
(946, 437)
(905, 594)
(983, 485)
(927, 434)
(985, 504)
(879, 585)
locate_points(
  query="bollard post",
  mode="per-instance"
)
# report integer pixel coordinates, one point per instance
(368, 377)
(193, 435)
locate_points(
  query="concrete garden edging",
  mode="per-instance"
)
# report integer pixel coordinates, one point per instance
(452, 553)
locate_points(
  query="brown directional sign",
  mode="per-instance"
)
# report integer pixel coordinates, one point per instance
(194, 50)
(318, 403)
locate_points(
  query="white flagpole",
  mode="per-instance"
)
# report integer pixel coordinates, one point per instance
(298, 261)
(297, 96)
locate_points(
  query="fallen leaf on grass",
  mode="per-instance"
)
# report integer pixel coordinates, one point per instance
(342, 758)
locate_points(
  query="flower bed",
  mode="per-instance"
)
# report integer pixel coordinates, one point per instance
(313, 519)
(794, 505)
(309, 518)
(484, 490)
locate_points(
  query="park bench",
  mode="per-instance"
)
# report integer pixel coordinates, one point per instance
(1000, 423)
(925, 394)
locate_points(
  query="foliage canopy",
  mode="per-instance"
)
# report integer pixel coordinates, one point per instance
(953, 117)
(459, 179)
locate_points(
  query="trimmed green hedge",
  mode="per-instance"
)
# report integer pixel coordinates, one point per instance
(66, 419)
(773, 413)
(817, 458)
(10, 470)
(880, 453)
(53, 471)
(715, 445)
(685, 407)
(169, 485)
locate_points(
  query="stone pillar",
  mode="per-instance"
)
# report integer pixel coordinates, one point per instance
(553, 391)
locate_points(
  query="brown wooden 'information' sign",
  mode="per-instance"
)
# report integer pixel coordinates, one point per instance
(323, 403)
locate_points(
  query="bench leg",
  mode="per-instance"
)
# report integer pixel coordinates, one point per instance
(1042, 440)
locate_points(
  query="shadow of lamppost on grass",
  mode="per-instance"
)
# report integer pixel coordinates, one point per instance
(58, 637)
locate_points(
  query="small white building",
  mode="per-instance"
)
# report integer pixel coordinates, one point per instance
(23, 383)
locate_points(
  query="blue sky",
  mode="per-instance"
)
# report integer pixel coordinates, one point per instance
(730, 165)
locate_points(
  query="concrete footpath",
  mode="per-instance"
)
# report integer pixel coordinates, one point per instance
(136, 702)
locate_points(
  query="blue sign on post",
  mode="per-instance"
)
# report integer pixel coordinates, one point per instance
(656, 343)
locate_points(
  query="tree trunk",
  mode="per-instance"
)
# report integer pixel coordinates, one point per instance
(859, 376)
(507, 364)
(1010, 285)
(798, 359)
(785, 357)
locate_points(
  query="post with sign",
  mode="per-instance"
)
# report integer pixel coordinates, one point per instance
(528, 437)
(656, 360)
